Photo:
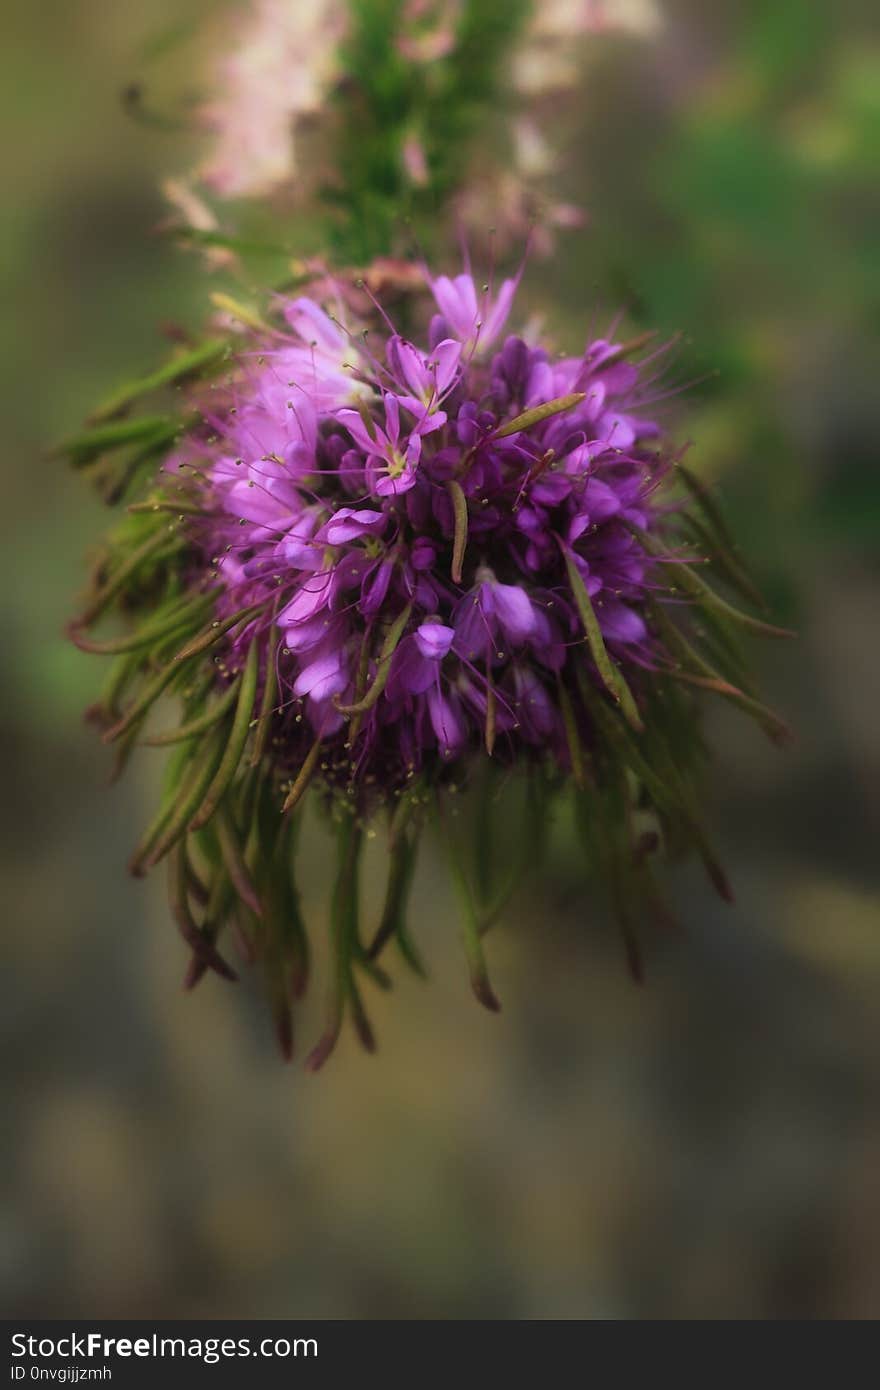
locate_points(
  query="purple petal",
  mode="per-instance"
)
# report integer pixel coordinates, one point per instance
(446, 355)
(311, 323)
(392, 417)
(497, 315)
(352, 421)
(323, 677)
(311, 598)
(446, 722)
(350, 524)
(620, 623)
(434, 640)
(513, 609)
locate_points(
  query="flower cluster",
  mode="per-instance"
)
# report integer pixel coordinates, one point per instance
(376, 567)
(462, 500)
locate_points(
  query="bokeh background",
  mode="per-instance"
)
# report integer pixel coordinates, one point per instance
(707, 1146)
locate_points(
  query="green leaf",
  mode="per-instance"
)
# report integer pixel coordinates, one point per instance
(145, 701)
(270, 690)
(401, 864)
(698, 671)
(689, 581)
(200, 724)
(244, 313)
(82, 448)
(344, 935)
(218, 629)
(539, 413)
(460, 514)
(612, 678)
(121, 575)
(177, 622)
(383, 666)
(185, 364)
(235, 745)
(234, 861)
(303, 777)
(471, 935)
(666, 789)
(189, 799)
(178, 898)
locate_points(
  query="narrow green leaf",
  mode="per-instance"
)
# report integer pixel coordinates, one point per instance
(471, 936)
(344, 935)
(539, 413)
(698, 671)
(106, 709)
(460, 514)
(116, 484)
(234, 861)
(612, 678)
(218, 629)
(244, 313)
(724, 560)
(401, 864)
(200, 724)
(238, 736)
(174, 770)
(303, 777)
(270, 691)
(188, 801)
(182, 614)
(242, 246)
(290, 925)
(144, 702)
(690, 582)
(703, 497)
(383, 666)
(120, 577)
(185, 364)
(178, 900)
(666, 791)
(82, 448)
(618, 737)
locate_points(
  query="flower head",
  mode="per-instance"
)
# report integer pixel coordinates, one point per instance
(379, 568)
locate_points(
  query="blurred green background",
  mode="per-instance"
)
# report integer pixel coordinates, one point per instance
(708, 1146)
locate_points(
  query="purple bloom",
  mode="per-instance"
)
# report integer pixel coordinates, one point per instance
(350, 524)
(495, 616)
(424, 381)
(345, 517)
(391, 455)
(464, 316)
(412, 557)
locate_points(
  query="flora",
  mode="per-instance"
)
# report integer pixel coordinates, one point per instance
(378, 569)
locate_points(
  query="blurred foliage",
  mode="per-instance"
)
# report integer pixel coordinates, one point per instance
(439, 103)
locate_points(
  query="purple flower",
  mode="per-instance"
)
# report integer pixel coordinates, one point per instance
(419, 658)
(416, 507)
(351, 524)
(492, 618)
(391, 565)
(424, 381)
(391, 456)
(464, 316)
